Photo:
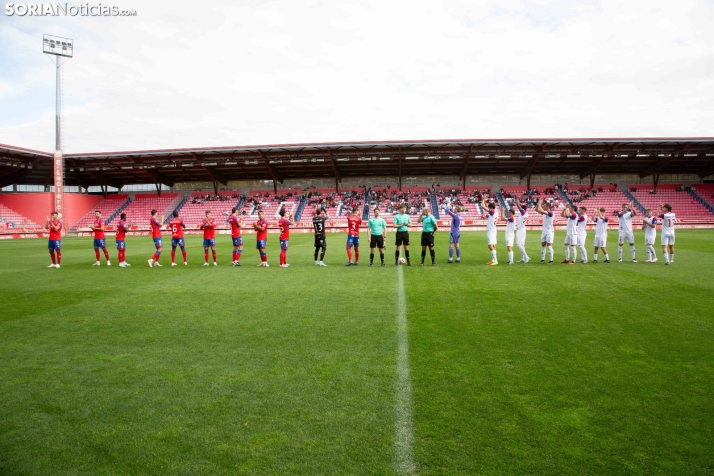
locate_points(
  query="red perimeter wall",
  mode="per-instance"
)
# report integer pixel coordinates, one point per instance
(38, 206)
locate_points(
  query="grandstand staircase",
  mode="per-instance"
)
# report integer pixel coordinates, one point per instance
(565, 197)
(365, 207)
(502, 201)
(298, 212)
(700, 200)
(179, 206)
(175, 204)
(434, 205)
(118, 212)
(634, 201)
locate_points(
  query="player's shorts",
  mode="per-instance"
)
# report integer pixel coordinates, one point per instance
(238, 241)
(649, 241)
(547, 236)
(320, 242)
(158, 243)
(454, 237)
(178, 242)
(376, 242)
(626, 236)
(571, 239)
(352, 241)
(600, 241)
(491, 237)
(667, 239)
(402, 238)
(521, 237)
(121, 245)
(427, 238)
(260, 244)
(283, 245)
(209, 242)
(53, 245)
(100, 243)
(510, 237)
(582, 238)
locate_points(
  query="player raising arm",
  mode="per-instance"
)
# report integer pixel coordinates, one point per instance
(156, 225)
(318, 224)
(455, 234)
(429, 226)
(521, 231)
(583, 233)
(99, 238)
(571, 236)
(668, 220)
(54, 225)
(261, 238)
(376, 235)
(353, 224)
(120, 238)
(601, 222)
(284, 227)
(625, 231)
(510, 219)
(491, 228)
(547, 235)
(236, 223)
(649, 224)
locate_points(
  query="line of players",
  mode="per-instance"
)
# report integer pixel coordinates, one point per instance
(576, 235)
(576, 232)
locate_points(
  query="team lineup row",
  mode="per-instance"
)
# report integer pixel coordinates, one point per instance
(515, 218)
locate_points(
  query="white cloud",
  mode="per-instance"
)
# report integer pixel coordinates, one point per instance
(281, 71)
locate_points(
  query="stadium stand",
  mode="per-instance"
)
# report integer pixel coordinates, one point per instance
(683, 204)
(109, 206)
(138, 212)
(270, 203)
(194, 210)
(9, 218)
(602, 196)
(388, 200)
(705, 192)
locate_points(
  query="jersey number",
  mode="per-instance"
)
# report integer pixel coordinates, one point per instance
(318, 227)
(174, 228)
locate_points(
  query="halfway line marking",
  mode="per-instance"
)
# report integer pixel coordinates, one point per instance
(404, 431)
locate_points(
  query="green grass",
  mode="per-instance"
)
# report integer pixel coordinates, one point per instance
(525, 369)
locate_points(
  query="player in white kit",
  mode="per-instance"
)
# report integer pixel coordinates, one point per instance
(668, 220)
(491, 228)
(521, 231)
(601, 222)
(510, 219)
(571, 236)
(582, 233)
(548, 233)
(649, 224)
(625, 230)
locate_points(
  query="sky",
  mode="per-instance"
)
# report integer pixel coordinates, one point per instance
(214, 73)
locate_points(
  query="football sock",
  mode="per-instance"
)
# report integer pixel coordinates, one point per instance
(619, 252)
(263, 257)
(666, 257)
(356, 255)
(381, 257)
(433, 255)
(396, 257)
(123, 256)
(542, 253)
(595, 255)
(583, 252)
(451, 253)
(317, 250)
(349, 255)
(237, 254)
(96, 252)
(406, 252)
(632, 251)
(494, 258)
(552, 253)
(510, 256)
(423, 256)
(607, 257)
(567, 252)
(59, 257)
(214, 256)
(205, 256)
(52, 255)
(574, 253)
(322, 254)
(522, 249)
(158, 255)
(671, 258)
(183, 252)
(106, 254)
(371, 258)
(173, 255)
(283, 258)
(458, 253)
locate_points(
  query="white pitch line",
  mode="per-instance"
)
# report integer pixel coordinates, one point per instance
(404, 431)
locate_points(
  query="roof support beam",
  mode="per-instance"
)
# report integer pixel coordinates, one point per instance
(594, 165)
(526, 172)
(707, 172)
(78, 178)
(103, 179)
(159, 177)
(399, 161)
(465, 165)
(216, 176)
(273, 172)
(657, 167)
(15, 177)
(338, 178)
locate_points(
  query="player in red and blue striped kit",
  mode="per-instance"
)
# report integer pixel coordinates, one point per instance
(156, 225)
(236, 223)
(176, 225)
(122, 228)
(261, 237)
(353, 224)
(99, 238)
(54, 225)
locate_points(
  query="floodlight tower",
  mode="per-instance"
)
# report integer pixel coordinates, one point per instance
(59, 48)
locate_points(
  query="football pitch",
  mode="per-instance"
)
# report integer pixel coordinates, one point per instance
(454, 369)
